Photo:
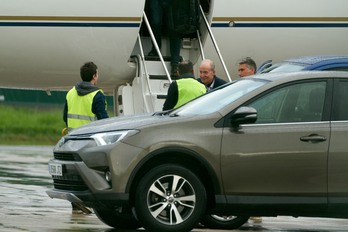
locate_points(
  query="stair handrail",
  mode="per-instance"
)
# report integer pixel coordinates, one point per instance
(153, 39)
(200, 45)
(146, 74)
(215, 44)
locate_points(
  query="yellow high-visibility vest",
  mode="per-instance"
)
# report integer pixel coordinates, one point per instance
(80, 108)
(188, 89)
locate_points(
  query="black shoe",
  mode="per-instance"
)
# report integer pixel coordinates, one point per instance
(76, 208)
(175, 70)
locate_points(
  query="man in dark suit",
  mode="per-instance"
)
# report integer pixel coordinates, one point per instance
(207, 75)
(246, 67)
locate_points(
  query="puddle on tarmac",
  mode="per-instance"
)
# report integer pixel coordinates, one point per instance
(24, 204)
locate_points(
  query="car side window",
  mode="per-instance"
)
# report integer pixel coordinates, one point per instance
(340, 106)
(301, 102)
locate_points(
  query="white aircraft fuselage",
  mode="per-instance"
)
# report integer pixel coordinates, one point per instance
(44, 42)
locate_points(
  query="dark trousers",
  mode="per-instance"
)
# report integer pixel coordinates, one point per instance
(158, 10)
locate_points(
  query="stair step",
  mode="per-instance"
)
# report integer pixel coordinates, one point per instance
(156, 58)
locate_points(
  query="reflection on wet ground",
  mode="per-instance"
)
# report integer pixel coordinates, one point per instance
(25, 207)
(24, 204)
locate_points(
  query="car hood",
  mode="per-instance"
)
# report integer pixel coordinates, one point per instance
(124, 123)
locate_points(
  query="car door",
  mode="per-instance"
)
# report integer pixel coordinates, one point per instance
(338, 152)
(282, 157)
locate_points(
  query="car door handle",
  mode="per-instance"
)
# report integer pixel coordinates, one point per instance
(313, 138)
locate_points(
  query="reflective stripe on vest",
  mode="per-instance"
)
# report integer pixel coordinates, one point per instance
(80, 108)
(188, 89)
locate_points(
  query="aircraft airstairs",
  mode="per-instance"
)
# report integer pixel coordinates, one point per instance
(148, 90)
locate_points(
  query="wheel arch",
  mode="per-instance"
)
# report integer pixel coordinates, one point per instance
(180, 156)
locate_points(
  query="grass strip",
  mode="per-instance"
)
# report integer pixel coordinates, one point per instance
(30, 126)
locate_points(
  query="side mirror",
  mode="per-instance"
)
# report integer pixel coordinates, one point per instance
(244, 115)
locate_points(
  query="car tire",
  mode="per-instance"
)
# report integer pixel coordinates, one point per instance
(224, 222)
(117, 218)
(170, 198)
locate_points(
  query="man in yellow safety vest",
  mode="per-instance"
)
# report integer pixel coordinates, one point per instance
(85, 102)
(185, 88)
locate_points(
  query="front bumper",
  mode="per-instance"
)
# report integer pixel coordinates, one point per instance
(89, 199)
(92, 175)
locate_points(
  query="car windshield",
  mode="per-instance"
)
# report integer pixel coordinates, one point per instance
(283, 67)
(219, 98)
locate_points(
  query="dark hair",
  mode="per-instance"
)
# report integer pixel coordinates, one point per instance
(249, 62)
(185, 67)
(88, 70)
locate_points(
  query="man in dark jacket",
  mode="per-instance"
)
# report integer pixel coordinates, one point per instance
(85, 102)
(184, 89)
(159, 13)
(207, 75)
(246, 67)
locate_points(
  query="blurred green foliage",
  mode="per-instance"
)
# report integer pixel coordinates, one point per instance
(30, 126)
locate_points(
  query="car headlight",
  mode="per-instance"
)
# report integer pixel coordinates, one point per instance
(107, 138)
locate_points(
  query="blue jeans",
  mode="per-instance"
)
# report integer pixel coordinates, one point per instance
(158, 10)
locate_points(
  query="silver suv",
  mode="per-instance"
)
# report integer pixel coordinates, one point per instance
(266, 145)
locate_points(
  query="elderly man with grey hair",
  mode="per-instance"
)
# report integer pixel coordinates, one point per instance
(207, 75)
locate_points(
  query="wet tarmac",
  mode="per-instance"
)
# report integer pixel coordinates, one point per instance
(25, 207)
